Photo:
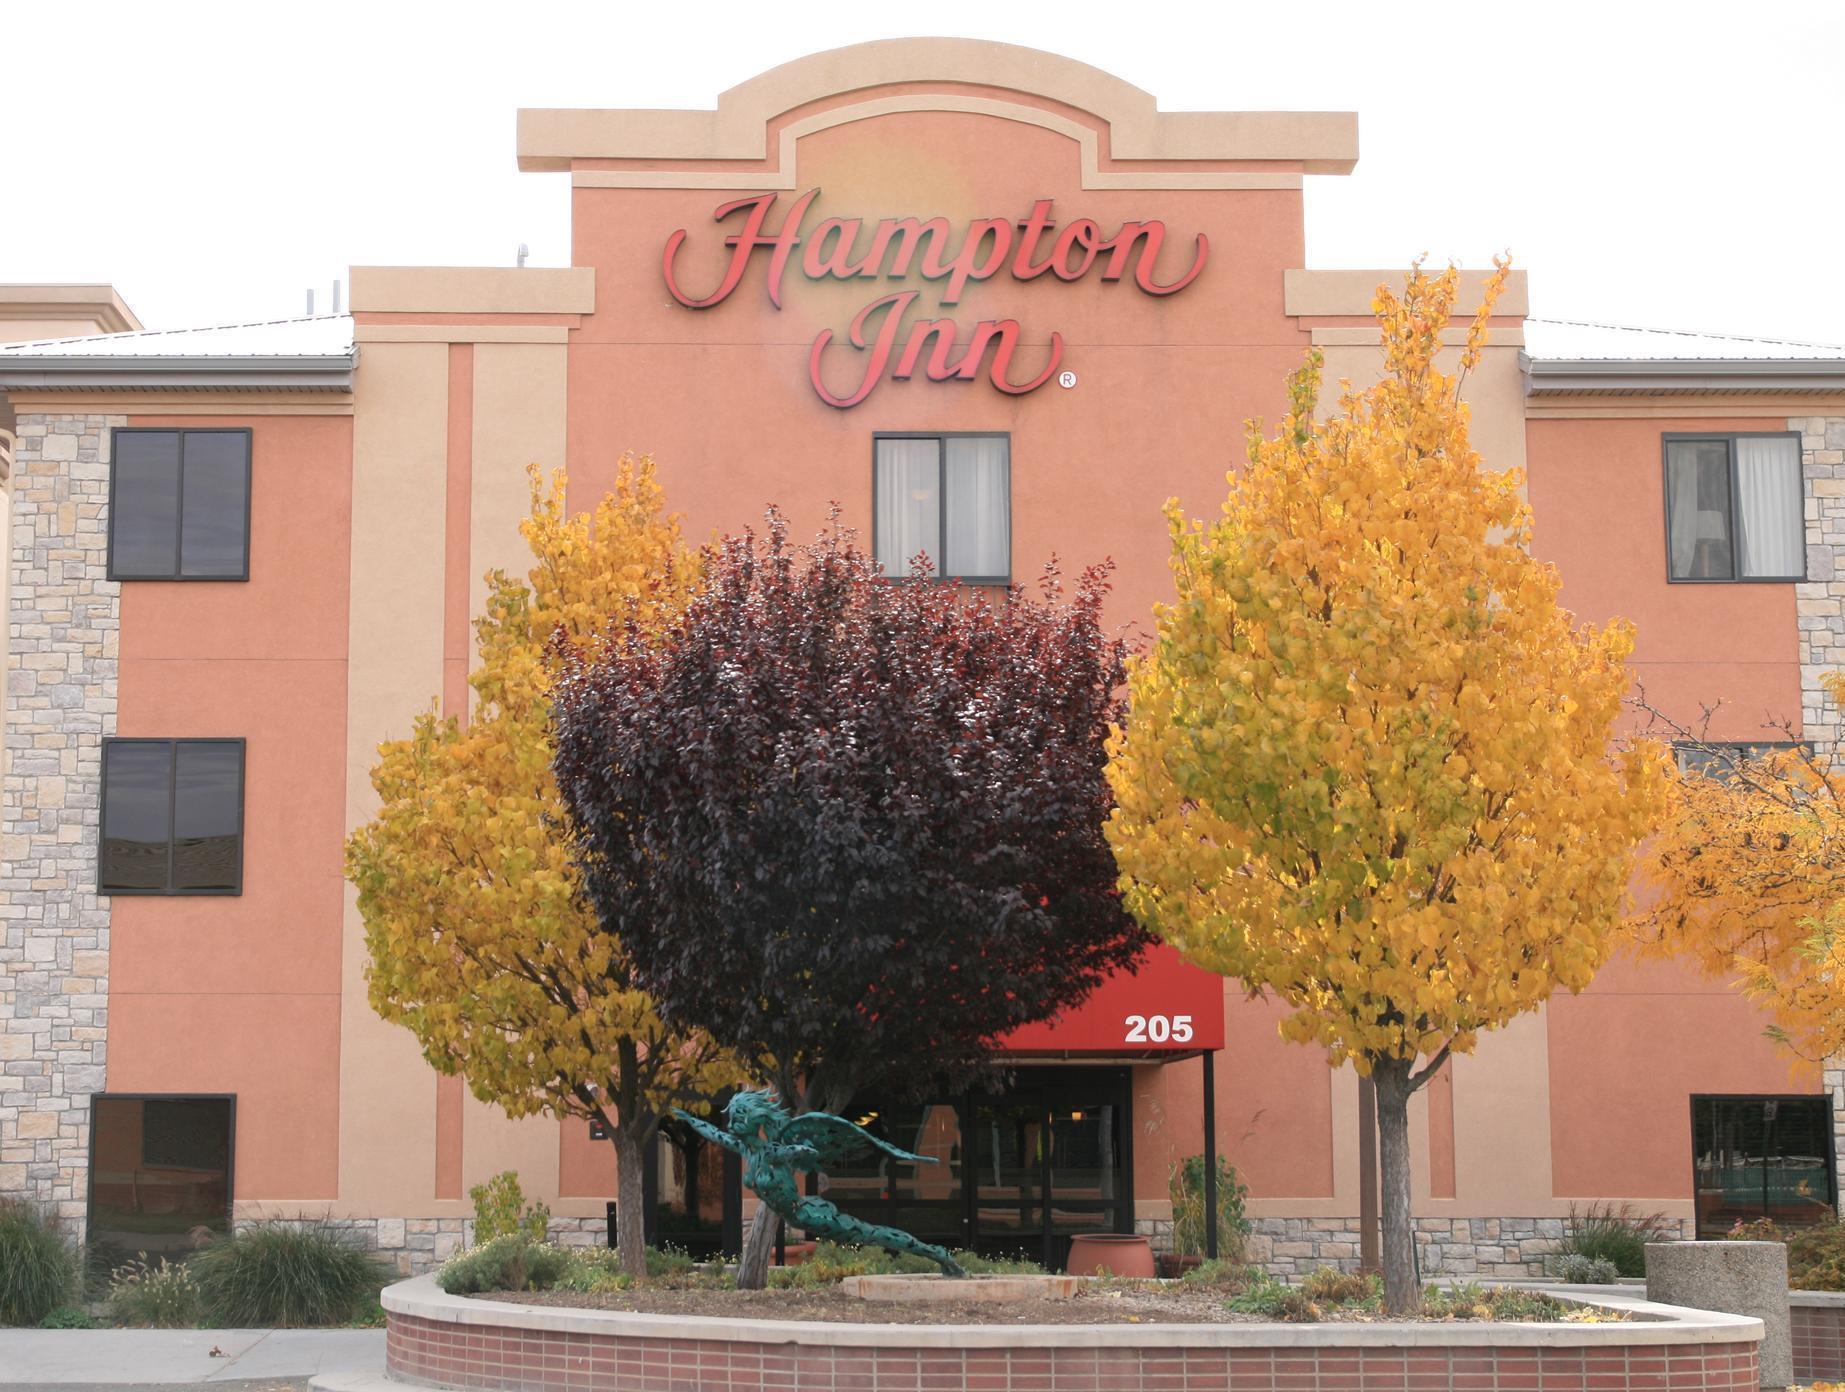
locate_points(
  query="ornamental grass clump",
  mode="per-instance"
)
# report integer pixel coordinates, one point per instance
(158, 1295)
(1614, 1234)
(39, 1269)
(285, 1274)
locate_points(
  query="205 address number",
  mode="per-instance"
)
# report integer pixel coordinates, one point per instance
(1159, 1029)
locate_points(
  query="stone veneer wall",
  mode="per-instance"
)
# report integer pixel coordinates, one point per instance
(61, 693)
(1511, 1247)
(417, 1245)
(1820, 601)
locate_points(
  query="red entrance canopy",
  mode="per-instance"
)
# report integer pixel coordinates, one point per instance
(1167, 1007)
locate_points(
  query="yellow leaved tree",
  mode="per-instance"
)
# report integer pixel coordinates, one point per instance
(480, 940)
(1748, 873)
(1368, 760)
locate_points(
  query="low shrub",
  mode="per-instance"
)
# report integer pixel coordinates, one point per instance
(1275, 1299)
(1578, 1270)
(500, 1208)
(1185, 1188)
(67, 1317)
(832, 1262)
(1815, 1255)
(161, 1295)
(510, 1262)
(285, 1274)
(1619, 1235)
(39, 1269)
(1351, 1290)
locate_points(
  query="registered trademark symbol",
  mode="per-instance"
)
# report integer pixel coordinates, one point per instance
(1066, 379)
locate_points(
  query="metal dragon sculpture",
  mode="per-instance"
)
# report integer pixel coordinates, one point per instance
(776, 1147)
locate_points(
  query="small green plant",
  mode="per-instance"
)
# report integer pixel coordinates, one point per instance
(67, 1317)
(1577, 1270)
(285, 1274)
(832, 1262)
(500, 1208)
(39, 1269)
(159, 1294)
(1614, 1234)
(1221, 1275)
(1468, 1300)
(1185, 1188)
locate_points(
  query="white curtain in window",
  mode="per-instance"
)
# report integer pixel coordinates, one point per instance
(1768, 487)
(979, 506)
(909, 515)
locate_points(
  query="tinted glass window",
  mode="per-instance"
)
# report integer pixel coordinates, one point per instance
(947, 497)
(1698, 509)
(179, 505)
(172, 817)
(144, 514)
(1761, 1157)
(207, 811)
(137, 813)
(160, 1178)
(212, 529)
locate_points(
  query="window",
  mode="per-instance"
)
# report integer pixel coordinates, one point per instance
(172, 818)
(1718, 758)
(1733, 508)
(179, 505)
(160, 1170)
(948, 497)
(1761, 1157)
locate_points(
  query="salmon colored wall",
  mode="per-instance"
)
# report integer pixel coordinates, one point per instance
(721, 396)
(585, 1168)
(241, 994)
(1625, 1058)
(1598, 498)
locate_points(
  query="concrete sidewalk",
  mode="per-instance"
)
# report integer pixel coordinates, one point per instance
(71, 1359)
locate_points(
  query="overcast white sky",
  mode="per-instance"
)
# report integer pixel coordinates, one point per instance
(1664, 165)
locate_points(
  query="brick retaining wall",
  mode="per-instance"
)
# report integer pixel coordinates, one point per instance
(444, 1341)
(1817, 1322)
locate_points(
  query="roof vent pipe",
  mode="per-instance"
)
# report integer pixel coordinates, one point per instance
(310, 304)
(336, 297)
(524, 251)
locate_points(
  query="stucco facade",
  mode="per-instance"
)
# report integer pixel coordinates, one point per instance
(1118, 362)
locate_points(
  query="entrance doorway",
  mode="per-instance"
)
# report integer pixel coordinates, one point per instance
(1018, 1174)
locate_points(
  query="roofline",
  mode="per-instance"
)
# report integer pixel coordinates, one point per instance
(100, 303)
(268, 372)
(1562, 376)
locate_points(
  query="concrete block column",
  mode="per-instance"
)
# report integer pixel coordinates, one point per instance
(1733, 1278)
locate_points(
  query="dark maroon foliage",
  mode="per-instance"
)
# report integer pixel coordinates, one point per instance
(853, 827)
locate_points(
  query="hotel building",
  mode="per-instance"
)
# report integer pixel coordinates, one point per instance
(998, 305)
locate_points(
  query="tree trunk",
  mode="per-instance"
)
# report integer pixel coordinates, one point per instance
(630, 1201)
(758, 1247)
(1402, 1292)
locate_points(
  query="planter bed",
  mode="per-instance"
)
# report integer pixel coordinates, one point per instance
(1816, 1322)
(441, 1340)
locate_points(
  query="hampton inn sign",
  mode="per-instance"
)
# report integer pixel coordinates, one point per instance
(1027, 249)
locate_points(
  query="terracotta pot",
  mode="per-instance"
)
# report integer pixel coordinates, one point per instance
(1172, 1267)
(1123, 1254)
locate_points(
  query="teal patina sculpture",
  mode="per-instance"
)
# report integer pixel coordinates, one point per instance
(776, 1147)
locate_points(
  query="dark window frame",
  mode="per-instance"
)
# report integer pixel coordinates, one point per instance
(1728, 439)
(1832, 1156)
(230, 1150)
(1743, 749)
(179, 513)
(173, 743)
(941, 478)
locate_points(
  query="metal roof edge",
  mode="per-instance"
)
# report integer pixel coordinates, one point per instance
(1555, 376)
(295, 372)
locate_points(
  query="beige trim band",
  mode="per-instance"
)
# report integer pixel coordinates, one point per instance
(473, 289)
(1454, 337)
(1326, 294)
(784, 176)
(460, 333)
(1320, 142)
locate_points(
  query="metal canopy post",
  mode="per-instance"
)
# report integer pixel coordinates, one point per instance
(1210, 1154)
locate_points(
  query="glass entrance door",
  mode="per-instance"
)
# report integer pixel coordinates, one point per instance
(1051, 1162)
